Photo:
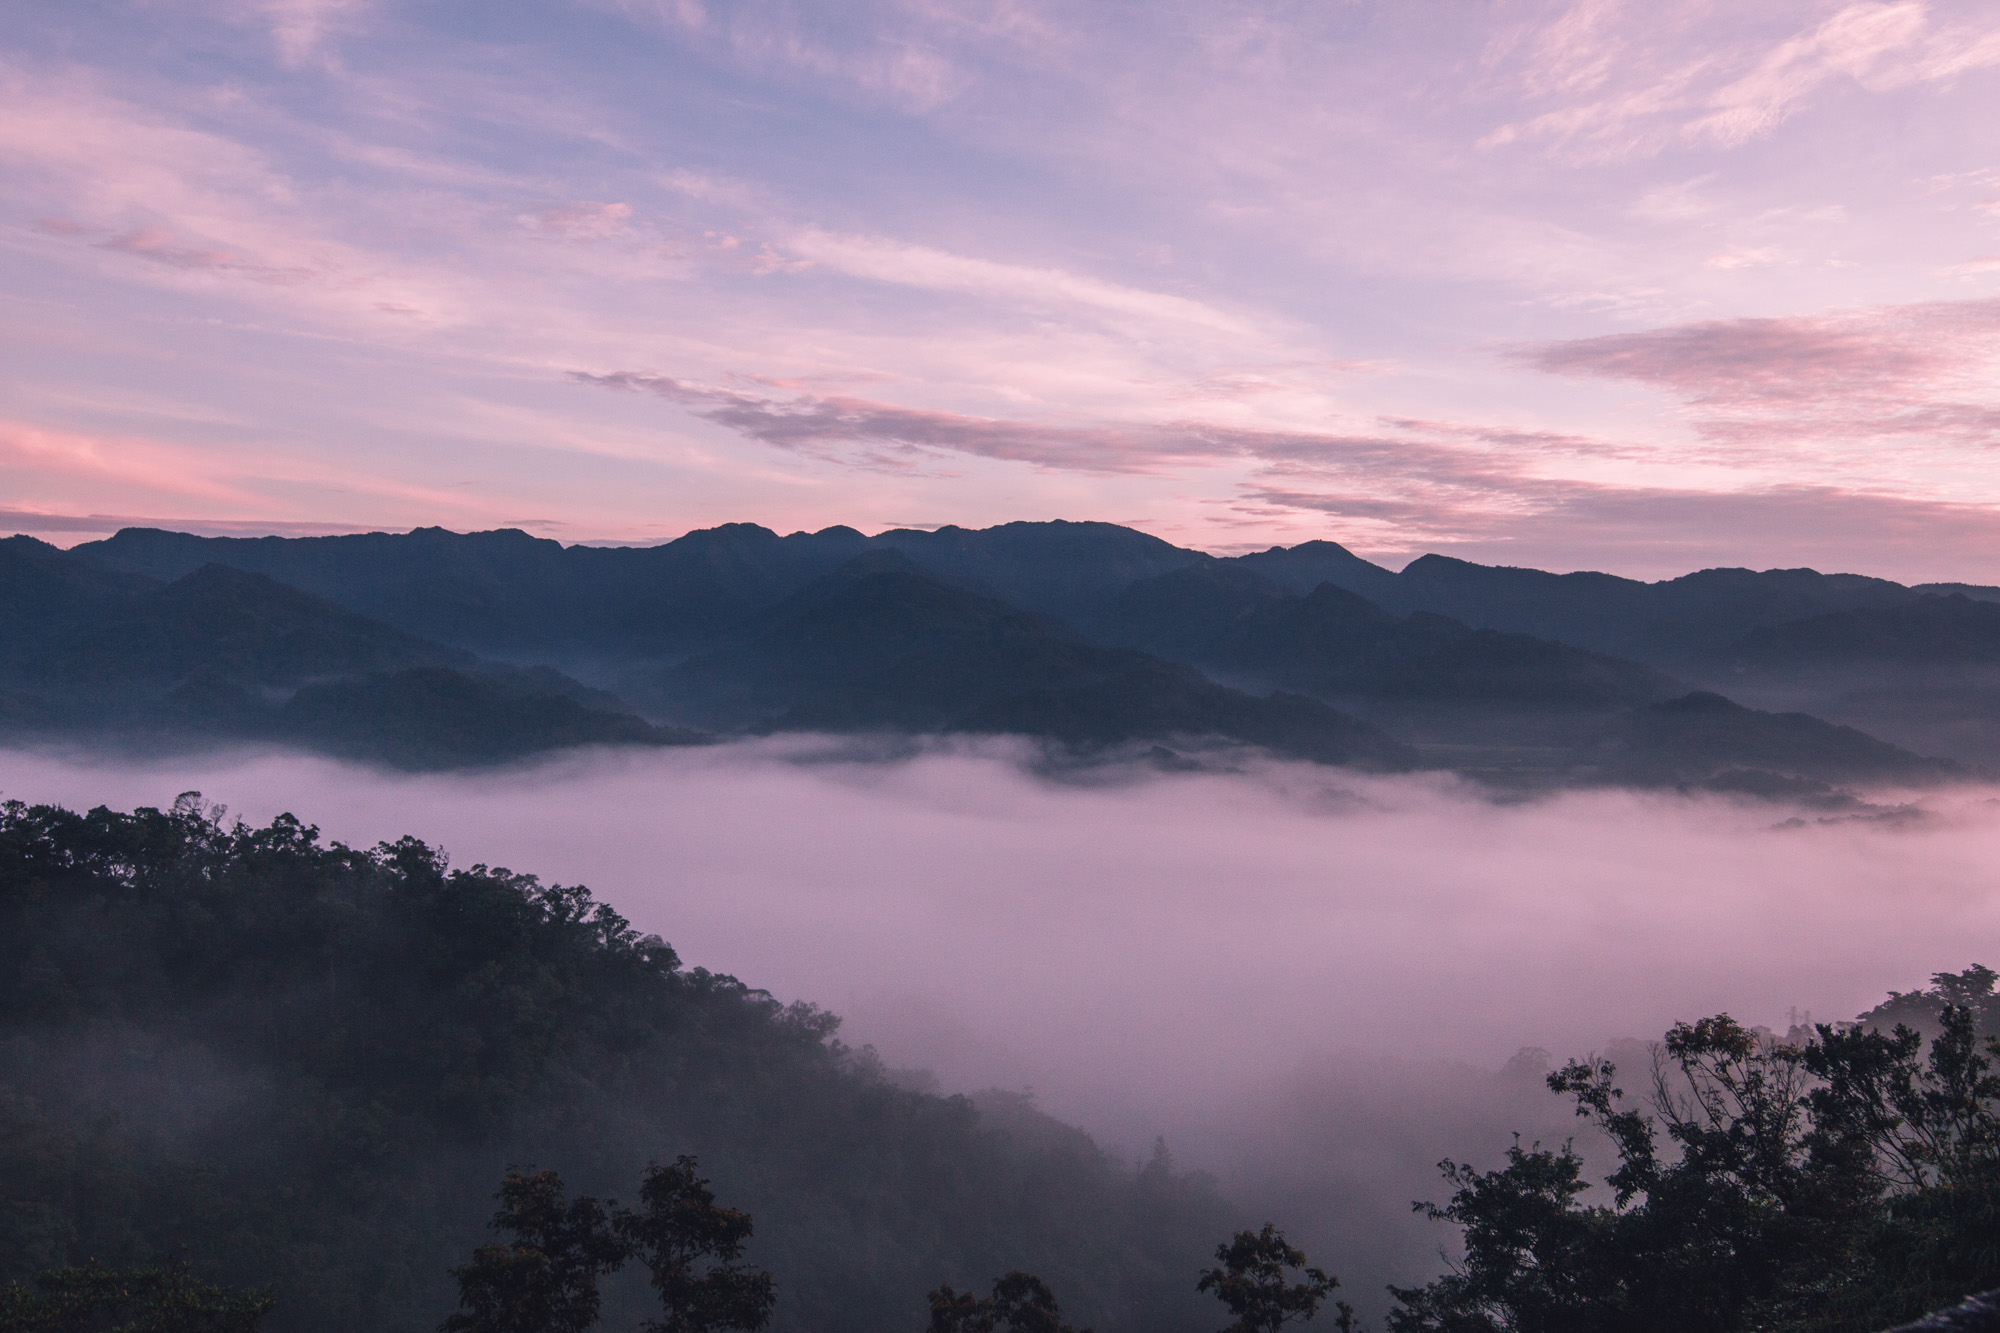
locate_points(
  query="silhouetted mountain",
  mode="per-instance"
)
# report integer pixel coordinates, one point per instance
(1485, 665)
(1950, 631)
(1663, 624)
(435, 717)
(44, 590)
(1978, 592)
(1336, 644)
(874, 647)
(240, 626)
(224, 653)
(1058, 568)
(1301, 568)
(511, 594)
(1705, 739)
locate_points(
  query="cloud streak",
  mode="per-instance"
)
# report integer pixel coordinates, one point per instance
(1411, 484)
(1636, 84)
(1921, 374)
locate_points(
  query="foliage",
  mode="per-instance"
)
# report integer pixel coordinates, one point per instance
(1021, 1301)
(91, 1298)
(545, 1280)
(1252, 1283)
(1841, 1182)
(1971, 989)
(304, 1065)
(690, 1245)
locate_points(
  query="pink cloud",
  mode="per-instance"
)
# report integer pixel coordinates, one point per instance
(1908, 372)
(40, 523)
(73, 470)
(1654, 532)
(1636, 82)
(583, 220)
(822, 423)
(1411, 485)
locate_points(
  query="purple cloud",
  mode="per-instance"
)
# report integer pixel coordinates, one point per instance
(1908, 371)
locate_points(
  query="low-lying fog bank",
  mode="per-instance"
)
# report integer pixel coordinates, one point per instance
(1306, 980)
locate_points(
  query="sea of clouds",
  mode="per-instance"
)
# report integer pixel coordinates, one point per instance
(1305, 979)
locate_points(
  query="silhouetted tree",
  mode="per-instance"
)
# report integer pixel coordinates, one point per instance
(691, 1245)
(545, 1279)
(1252, 1283)
(1846, 1182)
(1020, 1301)
(166, 1299)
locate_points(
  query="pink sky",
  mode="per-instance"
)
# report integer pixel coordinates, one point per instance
(1598, 284)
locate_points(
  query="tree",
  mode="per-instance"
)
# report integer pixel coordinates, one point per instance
(1252, 1284)
(1527, 1264)
(545, 1279)
(1020, 1300)
(691, 1246)
(91, 1298)
(1843, 1182)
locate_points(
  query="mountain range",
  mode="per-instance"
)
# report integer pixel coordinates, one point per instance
(433, 648)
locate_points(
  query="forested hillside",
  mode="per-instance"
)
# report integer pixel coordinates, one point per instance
(305, 1066)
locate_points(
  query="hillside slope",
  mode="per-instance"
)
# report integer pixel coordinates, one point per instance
(307, 1066)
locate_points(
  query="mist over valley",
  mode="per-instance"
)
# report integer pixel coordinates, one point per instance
(1312, 983)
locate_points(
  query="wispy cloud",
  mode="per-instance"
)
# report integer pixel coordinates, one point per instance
(1912, 372)
(896, 436)
(885, 260)
(1632, 81)
(38, 522)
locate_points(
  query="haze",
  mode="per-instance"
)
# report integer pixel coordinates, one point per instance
(1140, 947)
(1309, 982)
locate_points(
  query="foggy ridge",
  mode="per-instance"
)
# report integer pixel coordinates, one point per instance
(433, 648)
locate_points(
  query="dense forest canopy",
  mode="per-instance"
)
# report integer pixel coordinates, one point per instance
(302, 1065)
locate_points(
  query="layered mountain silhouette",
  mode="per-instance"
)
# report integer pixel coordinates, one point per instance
(223, 653)
(1335, 643)
(880, 645)
(1703, 739)
(1083, 633)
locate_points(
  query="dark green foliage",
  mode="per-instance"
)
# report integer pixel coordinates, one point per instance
(1837, 1184)
(1972, 989)
(1254, 1285)
(304, 1065)
(1021, 1302)
(91, 1298)
(545, 1279)
(690, 1246)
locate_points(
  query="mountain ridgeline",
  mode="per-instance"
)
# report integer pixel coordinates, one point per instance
(435, 649)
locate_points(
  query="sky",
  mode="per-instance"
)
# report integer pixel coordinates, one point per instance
(1577, 284)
